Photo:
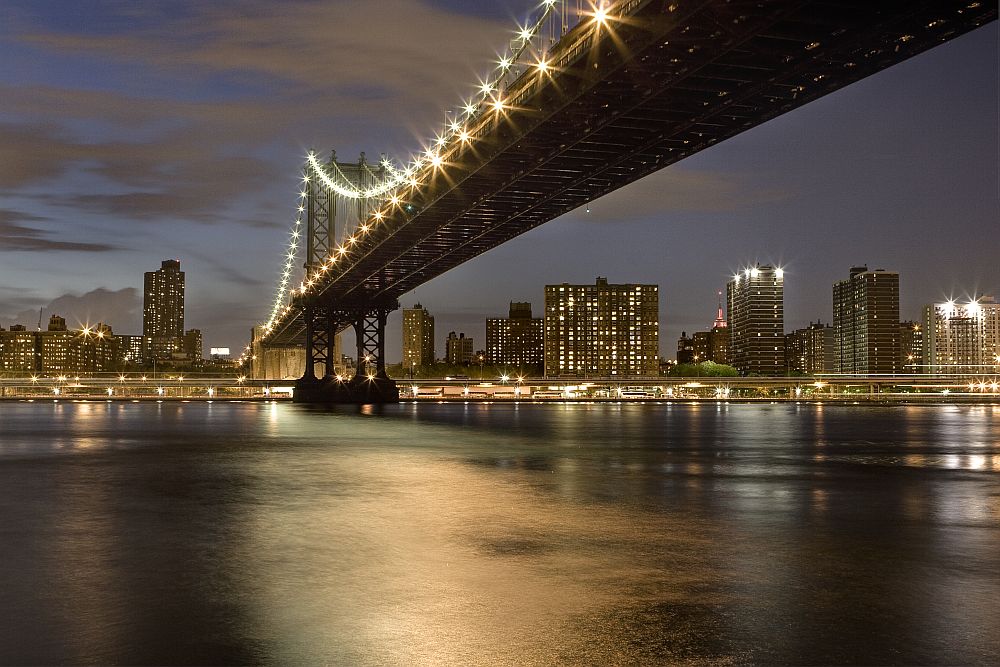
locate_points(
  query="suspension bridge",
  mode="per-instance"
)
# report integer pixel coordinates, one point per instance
(586, 98)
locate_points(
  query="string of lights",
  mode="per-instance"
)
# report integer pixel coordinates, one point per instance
(385, 195)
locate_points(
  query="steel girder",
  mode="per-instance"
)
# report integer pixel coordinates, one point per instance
(671, 79)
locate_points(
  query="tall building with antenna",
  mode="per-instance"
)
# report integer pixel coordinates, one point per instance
(713, 345)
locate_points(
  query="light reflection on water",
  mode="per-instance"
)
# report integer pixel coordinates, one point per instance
(499, 534)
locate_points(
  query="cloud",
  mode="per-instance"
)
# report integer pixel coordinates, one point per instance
(243, 88)
(15, 235)
(121, 309)
(308, 43)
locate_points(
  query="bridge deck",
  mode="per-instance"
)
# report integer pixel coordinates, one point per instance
(664, 82)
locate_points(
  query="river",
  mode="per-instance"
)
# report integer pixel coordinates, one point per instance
(499, 533)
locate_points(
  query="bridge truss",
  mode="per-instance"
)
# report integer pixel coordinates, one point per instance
(572, 113)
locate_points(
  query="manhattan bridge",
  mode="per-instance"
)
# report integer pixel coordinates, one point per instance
(587, 97)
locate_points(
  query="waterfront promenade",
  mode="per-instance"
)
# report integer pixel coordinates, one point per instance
(903, 388)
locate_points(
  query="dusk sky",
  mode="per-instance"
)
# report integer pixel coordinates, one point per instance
(132, 132)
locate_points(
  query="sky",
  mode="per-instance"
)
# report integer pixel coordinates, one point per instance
(136, 132)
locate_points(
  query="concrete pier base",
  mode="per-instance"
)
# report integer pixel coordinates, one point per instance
(357, 390)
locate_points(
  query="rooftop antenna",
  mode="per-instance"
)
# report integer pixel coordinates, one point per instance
(40, 319)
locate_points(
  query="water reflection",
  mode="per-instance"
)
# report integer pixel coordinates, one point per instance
(471, 534)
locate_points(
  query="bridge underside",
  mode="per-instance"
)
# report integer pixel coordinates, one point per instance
(667, 81)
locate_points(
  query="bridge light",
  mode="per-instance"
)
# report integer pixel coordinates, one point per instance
(464, 136)
(525, 34)
(437, 161)
(379, 215)
(364, 228)
(600, 16)
(470, 109)
(395, 200)
(504, 63)
(454, 126)
(542, 66)
(486, 88)
(498, 104)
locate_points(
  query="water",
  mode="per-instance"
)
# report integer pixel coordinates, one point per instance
(193, 533)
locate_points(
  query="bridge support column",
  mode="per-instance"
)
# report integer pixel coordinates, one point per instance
(371, 383)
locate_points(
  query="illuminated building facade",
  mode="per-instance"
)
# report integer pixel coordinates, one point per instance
(811, 350)
(59, 350)
(755, 300)
(192, 345)
(602, 330)
(866, 321)
(518, 340)
(962, 338)
(19, 352)
(459, 349)
(134, 349)
(163, 309)
(418, 337)
(911, 347)
(56, 345)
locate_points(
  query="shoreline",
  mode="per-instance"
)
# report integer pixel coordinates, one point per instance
(826, 400)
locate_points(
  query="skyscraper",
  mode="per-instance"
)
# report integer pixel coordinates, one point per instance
(962, 338)
(866, 322)
(163, 309)
(755, 300)
(518, 340)
(602, 329)
(418, 337)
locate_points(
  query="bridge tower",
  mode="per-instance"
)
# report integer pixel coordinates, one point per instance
(330, 218)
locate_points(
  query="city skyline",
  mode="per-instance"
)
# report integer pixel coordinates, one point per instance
(903, 175)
